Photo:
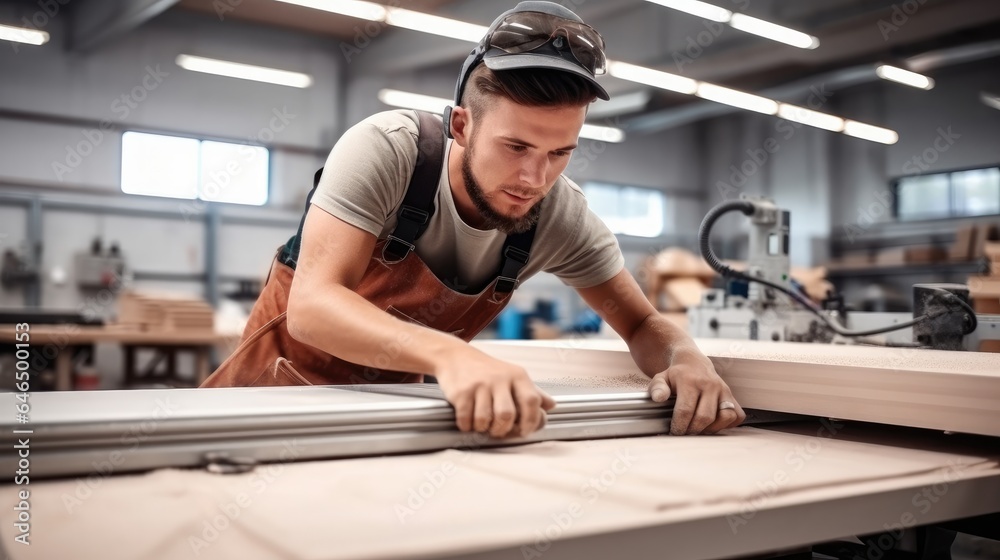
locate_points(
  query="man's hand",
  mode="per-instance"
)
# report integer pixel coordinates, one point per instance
(490, 395)
(700, 393)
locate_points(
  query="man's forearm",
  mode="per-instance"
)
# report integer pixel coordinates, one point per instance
(658, 343)
(346, 325)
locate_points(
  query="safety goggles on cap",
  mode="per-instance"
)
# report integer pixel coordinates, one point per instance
(522, 32)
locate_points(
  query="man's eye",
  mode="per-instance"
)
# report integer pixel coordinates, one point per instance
(560, 153)
(516, 148)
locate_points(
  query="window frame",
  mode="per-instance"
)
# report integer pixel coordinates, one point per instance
(894, 185)
(667, 205)
(270, 167)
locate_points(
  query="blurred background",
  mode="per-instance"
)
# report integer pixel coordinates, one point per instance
(155, 153)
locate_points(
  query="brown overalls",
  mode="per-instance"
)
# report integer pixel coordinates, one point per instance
(396, 280)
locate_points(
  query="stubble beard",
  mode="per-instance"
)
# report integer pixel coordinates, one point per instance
(492, 218)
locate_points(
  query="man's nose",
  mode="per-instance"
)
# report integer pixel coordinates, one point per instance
(533, 171)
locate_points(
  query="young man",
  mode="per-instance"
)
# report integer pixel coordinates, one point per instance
(411, 246)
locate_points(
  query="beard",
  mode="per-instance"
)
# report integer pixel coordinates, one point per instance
(493, 218)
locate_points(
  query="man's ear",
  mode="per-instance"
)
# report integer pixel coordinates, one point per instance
(461, 127)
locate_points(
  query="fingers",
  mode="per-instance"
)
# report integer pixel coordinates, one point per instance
(504, 412)
(705, 413)
(684, 410)
(741, 416)
(464, 409)
(548, 403)
(529, 406)
(483, 416)
(659, 390)
(725, 419)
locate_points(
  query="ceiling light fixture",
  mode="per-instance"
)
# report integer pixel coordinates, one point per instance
(736, 98)
(912, 79)
(353, 8)
(244, 71)
(23, 35)
(743, 22)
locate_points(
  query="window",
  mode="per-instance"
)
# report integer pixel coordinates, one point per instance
(973, 192)
(628, 210)
(174, 167)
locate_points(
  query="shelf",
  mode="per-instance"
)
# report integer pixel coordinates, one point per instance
(969, 267)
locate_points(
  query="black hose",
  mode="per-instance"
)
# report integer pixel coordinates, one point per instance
(747, 207)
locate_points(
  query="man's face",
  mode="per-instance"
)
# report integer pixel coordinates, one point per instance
(514, 156)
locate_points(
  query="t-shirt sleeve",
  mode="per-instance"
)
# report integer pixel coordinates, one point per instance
(367, 171)
(590, 254)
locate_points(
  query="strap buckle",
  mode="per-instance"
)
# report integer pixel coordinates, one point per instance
(505, 284)
(518, 255)
(397, 248)
(414, 215)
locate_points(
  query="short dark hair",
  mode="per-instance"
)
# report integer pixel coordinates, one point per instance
(533, 87)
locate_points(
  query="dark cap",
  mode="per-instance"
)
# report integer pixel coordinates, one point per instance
(547, 56)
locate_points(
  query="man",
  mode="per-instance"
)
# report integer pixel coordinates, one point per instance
(411, 246)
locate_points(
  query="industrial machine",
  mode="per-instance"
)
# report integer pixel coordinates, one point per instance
(764, 303)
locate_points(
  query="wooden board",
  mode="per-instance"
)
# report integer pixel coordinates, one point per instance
(961, 249)
(749, 491)
(64, 335)
(955, 391)
(167, 312)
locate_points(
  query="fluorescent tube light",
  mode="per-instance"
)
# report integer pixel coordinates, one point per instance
(416, 101)
(773, 31)
(353, 8)
(650, 77)
(432, 104)
(427, 23)
(990, 100)
(905, 77)
(802, 115)
(696, 8)
(736, 98)
(244, 71)
(23, 35)
(603, 133)
(869, 132)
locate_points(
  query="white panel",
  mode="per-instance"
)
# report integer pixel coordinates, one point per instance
(247, 251)
(49, 153)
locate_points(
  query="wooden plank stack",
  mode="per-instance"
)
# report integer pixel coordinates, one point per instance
(985, 289)
(165, 312)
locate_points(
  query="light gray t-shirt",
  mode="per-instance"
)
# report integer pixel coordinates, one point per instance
(364, 182)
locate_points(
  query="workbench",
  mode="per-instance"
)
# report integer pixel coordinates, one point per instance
(65, 340)
(332, 472)
(748, 491)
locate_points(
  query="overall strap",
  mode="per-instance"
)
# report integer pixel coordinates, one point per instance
(418, 204)
(515, 253)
